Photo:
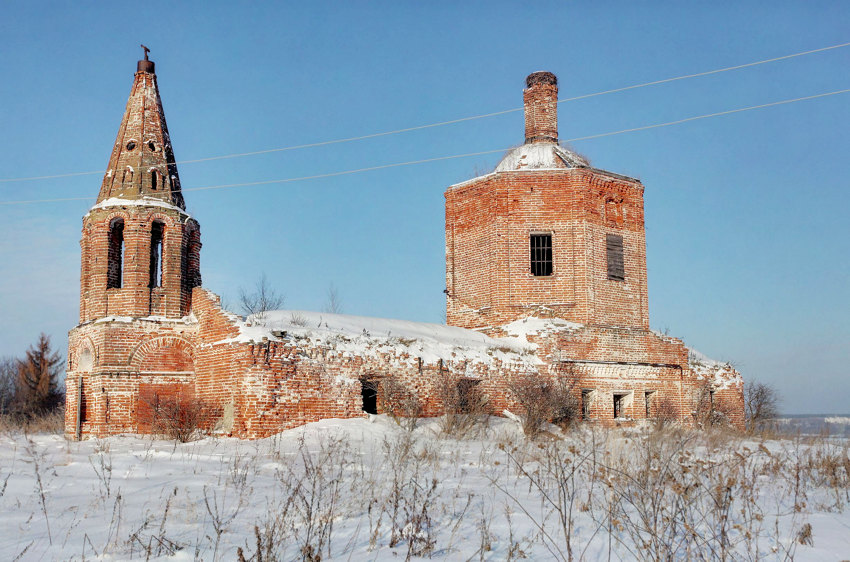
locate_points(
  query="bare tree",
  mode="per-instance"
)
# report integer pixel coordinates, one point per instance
(761, 402)
(334, 303)
(260, 300)
(8, 381)
(37, 385)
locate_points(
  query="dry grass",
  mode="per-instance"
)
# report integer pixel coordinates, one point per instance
(50, 422)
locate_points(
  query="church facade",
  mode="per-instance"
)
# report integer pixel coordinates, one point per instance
(545, 280)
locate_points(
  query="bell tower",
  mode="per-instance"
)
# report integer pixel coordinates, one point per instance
(140, 249)
(140, 261)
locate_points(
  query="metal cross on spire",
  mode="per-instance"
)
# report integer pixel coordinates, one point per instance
(146, 51)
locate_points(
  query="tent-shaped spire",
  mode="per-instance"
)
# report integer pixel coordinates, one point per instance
(142, 163)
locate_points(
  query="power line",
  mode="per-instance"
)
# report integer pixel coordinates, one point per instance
(466, 155)
(451, 121)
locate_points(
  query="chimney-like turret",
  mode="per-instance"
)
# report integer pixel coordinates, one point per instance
(541, 107)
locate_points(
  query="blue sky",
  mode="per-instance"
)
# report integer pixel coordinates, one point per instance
(746, 214)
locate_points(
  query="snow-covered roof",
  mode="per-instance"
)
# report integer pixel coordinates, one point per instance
(721, 375)
(140, 202)
(540, 156)
(367, 336)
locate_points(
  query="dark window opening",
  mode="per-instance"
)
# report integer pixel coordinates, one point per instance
(619, 404)
(711, 399)
(369, 392)
(128, 176)
(541, 254)
(131, 145)
(586, 399)
(82, 409)
(115, 259)
(156, 255)
(467, 394)
(648, 398)
(614, 248)
(154, 176)
(190, 269)
(151, 146)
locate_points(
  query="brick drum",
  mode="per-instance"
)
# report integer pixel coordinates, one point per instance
(545, 277)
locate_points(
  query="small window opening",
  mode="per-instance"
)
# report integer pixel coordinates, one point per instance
(156, 255)
(154, 177)
(369, 392)
(541, 254)
(128, 176)
(83, 405)
(711, 399)
(649, 398)
(468, 397)
(151, 146)
(586, 401)
(131, 145)
(614, 212)
(614, 250)
(115, 259)
(619, 403)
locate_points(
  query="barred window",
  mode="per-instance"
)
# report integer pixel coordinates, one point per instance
(614, 249)
(541, 254)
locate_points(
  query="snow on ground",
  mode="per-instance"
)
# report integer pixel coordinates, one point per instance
(366, 489)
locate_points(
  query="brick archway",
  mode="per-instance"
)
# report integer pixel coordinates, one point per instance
(166, 354)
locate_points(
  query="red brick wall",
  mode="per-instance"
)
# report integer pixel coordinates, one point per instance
(488, 224)
(180, 261)
(541, 107)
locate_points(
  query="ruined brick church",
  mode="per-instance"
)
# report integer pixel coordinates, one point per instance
(545, 278)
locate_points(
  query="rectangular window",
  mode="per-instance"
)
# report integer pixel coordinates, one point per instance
(614, 251)
(649, 398)
(541, 254)
(586, 401)
(620, 404)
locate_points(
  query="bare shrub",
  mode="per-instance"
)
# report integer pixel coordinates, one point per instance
(182, 416)
(664, 413)
(8, 376)
(400, 403)
(411, 494)
(333, 304)
(312, 487)
(544, 400)
(761, 403)
(708, 411)
(262, 299)
(463, 403)
(297, 319)
(559, 473)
